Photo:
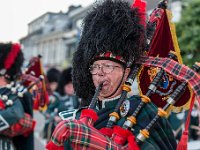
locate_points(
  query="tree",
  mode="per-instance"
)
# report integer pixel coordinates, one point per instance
(188, 32)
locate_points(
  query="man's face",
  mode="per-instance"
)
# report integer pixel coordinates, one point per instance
(53, 86)
(69, 89)
(110, 74)
(3, 81)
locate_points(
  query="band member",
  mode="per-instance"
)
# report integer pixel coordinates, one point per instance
(53, 76)
(113, 37)
(64, 99)
(13, 108)
(195, 122)
(68, 99)
(177, 121)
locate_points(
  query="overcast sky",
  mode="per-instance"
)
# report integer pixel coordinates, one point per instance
(16, 14)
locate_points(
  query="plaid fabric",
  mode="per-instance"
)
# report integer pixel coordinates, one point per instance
(23, 127)
(178, 71)
(82, 137)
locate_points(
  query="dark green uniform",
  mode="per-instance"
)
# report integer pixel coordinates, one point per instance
(25, 142)
(177, 121)
(68, 103)
(9, 116)
(49, 115)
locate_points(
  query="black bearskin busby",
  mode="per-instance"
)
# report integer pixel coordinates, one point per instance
(12, 60)
(110, 26)
(65, 78)
(53, 75)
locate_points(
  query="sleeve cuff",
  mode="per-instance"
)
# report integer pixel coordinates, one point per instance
(3, 123)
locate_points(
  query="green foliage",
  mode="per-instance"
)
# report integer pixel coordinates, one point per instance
(188, 32)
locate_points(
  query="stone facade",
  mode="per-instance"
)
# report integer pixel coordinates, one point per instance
(54, 36)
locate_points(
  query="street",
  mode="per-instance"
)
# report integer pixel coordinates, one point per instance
(39, 142)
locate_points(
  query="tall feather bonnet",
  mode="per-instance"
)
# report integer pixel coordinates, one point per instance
(111, 26)
(12, 59)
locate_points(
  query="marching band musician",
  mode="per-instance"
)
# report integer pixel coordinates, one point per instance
(53, 76)
(64, 99)
(13, 110)
(68, 100)
(113, 36)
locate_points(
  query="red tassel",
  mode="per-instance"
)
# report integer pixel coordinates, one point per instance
(89, 113)
(52, 146)
(132, 145)
(106, 131)
(120, 135)
(182, 145)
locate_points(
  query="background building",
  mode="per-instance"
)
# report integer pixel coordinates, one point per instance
(55, 35)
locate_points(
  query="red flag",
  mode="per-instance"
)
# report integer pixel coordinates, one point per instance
(41, 95)
(164, 41)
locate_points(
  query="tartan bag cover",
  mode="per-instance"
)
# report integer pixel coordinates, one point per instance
(82, 136)
(23, 127)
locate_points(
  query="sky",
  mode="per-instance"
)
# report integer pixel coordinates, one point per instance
(16, 14)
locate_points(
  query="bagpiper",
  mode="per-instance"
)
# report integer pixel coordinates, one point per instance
(110, 52)
(16, 110)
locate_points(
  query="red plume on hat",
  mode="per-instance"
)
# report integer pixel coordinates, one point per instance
(10, 59)
(141, 5)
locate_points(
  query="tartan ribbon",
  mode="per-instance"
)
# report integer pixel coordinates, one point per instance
(178, 71)
(23, 127)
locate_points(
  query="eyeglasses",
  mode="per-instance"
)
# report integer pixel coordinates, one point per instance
(106, 68)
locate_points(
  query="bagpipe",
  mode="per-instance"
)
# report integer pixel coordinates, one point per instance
(81, 133)
(17, 91)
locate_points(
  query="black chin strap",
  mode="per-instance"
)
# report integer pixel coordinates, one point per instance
(117, 86)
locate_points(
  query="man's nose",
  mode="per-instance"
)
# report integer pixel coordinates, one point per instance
(100, 71)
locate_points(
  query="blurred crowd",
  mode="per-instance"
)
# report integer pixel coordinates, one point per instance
(177, 121)
(61, 98)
